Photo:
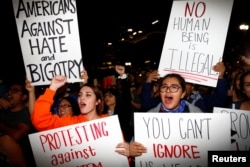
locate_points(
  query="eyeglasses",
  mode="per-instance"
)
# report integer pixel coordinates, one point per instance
(14, 91)
(65, 106)
(172, 88)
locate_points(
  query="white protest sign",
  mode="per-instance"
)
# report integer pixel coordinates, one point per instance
(182, 139)
(240, 127)
(195, 39)
(49, 38)
(90, 143)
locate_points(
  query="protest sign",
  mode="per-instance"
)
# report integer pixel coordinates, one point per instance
(180, 139)
(195, 39)
(49, 39)
(240, 127)
(89, 144)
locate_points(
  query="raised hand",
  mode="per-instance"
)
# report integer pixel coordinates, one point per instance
(57, 82)
(84, 76)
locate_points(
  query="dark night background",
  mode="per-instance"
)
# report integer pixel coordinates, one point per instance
(101, 22)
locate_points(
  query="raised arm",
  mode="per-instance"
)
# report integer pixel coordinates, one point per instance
(32, 95)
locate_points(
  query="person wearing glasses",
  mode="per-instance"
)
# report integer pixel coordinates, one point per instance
(172, 94)
(66, 91)
(68, 106)
(15, 126)
(90, 102)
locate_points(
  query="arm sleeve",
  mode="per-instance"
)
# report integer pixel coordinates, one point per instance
(219, 96)
(41, 117)
(147, 101)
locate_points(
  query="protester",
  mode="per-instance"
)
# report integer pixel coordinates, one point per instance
(150, 96)
(172, 94)
(68, 106)
(245, 89)
(69, 96)
(125, 111)
(236, 95)
(15, 125)
(135, 83)
(90, 102)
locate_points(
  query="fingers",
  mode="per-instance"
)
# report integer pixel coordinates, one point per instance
(57, 82)
(219, 67)
(28, 85)
(137, 149)
(84, 76)
(60, 78)
(123, 149)
(120, 69)
(4, 104)
(153, 76)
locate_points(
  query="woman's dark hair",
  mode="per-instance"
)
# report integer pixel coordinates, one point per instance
(114, 92)
(74, 104)
(237, 77)
(242, 78)
(178, 77)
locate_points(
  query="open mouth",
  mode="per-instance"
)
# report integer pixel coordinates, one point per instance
(168, 99)
(82, 104)
(62, 113)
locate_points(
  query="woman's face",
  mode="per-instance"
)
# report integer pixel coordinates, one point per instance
(65, 108)
(237, 82)
(109, 99)
(171, 93)
(247, 85)
(87, 100)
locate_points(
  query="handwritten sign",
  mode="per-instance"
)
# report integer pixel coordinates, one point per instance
(240, 127)
(180, 139)
(89, 144)
(195, 39)
(49, 38)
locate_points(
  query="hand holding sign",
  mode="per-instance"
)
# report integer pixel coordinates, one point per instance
(49, 40)
(136, 149)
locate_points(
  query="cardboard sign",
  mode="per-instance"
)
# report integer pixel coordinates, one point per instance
(240, 128)
(89, 144)
(182, 139)
(195, 39)
(49, 38)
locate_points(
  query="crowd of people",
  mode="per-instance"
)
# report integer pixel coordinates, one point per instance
(24, 110)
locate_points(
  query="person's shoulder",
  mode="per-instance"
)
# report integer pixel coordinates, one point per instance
(244, 105)
(192, 108)
(155, 109)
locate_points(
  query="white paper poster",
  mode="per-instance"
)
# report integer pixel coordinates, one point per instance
(195, 39)
(89, 144)
(240, 128)
(49, 38)
(180, 139)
